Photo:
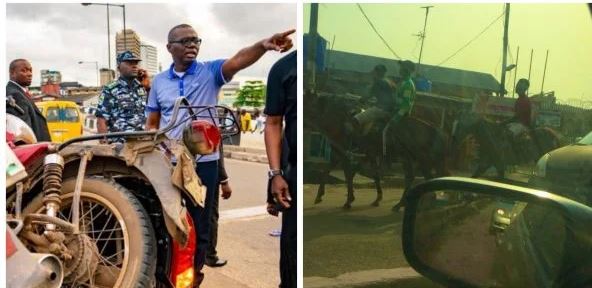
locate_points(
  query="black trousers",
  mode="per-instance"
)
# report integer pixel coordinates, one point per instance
(288, 244)
(211, 252)
(208, 173)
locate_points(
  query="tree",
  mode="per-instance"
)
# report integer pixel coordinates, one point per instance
(251, 94)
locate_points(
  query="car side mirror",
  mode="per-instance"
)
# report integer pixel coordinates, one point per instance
(463, 232)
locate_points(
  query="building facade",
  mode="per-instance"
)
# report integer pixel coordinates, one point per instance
(130, 42)
(149, 56)
(228, 93)
(106, 76)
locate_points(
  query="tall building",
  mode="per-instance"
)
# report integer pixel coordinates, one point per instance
(228, 93)
(132, 42)
(149, 57)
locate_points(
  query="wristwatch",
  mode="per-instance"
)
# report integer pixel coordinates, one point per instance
(273, 173)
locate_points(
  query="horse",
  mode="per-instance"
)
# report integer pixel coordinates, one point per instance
(497, 146)
(410, 141)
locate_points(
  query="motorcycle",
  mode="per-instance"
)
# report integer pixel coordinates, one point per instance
(110, 215)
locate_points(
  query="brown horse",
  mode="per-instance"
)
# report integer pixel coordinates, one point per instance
(409, 141)
(497, 147)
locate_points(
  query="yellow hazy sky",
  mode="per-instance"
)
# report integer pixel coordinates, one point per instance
(564, 29)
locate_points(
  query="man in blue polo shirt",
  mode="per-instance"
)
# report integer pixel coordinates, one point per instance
(200, 83)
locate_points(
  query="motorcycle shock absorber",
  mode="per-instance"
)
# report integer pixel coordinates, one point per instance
(53, 168)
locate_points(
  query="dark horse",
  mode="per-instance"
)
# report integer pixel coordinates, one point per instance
(497, 146)
(409, 141)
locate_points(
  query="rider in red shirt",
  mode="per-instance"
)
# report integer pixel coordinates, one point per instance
(523, 110)
(522, 107)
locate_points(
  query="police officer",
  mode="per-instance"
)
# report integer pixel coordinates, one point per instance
(122, 102)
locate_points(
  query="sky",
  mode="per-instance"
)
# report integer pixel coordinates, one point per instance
(564, 29)
(58, 36)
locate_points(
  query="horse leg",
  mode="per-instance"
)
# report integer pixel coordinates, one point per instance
(376, 202)
(321, 190)
(324, 177)
(349, 178)
(501, 169)
(409, 177)
(481, 168)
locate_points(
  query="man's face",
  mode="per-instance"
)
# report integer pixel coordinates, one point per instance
(128, 69)
(180, 52)
(22, 73)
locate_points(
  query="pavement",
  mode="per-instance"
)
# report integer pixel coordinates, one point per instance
(243, 233)
(252, 148)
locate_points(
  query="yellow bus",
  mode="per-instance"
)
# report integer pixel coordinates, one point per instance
(64, 119)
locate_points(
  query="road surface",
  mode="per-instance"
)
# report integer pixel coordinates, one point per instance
(243, 236)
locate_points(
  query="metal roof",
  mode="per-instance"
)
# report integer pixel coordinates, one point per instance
(451, 76)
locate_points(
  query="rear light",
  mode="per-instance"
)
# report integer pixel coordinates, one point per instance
(182, 273)
(10, 247)
(201, 137)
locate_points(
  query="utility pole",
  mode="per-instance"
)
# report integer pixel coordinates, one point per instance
(505, 52)
(108, 39)
(544, 72)
(124, 28)
(530, 68)
(423, 34)
(312, 44)
(515, 71)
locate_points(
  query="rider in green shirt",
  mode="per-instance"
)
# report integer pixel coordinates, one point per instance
(404, 98)
(406, 92)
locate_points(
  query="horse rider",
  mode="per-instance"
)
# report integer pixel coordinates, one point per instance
(405, 97)
(521, 123)
(381, 99)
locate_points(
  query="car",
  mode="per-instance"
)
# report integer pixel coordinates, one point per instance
(567, 171)
(547, 243)
(64, 119)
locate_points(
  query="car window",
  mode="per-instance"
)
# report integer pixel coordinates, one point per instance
(53, 114)
(70, 114)
(586, 140)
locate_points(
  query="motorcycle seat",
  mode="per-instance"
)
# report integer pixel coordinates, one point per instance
(27, 154)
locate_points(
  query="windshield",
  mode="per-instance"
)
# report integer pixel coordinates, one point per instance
(70, 115)
(587, 140)
(67, 114)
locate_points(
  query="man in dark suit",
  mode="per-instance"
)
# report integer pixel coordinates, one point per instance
(19, 102)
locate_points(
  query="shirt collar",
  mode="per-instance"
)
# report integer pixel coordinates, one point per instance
(190, 71)
(19, 85)
(122, 81)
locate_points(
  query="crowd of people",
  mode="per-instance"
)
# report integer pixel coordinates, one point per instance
(133, 103)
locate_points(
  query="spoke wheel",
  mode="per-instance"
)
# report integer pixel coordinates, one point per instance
(117, 232)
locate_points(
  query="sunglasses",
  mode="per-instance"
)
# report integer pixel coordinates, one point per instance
(188, 41)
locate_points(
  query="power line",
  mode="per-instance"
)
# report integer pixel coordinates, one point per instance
(376, 31)
(471, 41)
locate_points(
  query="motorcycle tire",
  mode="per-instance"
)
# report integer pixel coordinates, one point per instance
(140, 266)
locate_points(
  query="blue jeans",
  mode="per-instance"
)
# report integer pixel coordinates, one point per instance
(208, 173)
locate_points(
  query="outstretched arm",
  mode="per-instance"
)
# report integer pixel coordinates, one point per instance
(249, 55)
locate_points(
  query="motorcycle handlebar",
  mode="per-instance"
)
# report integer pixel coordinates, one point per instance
(170, 126)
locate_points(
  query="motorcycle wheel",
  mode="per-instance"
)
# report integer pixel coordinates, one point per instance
(115, 221)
